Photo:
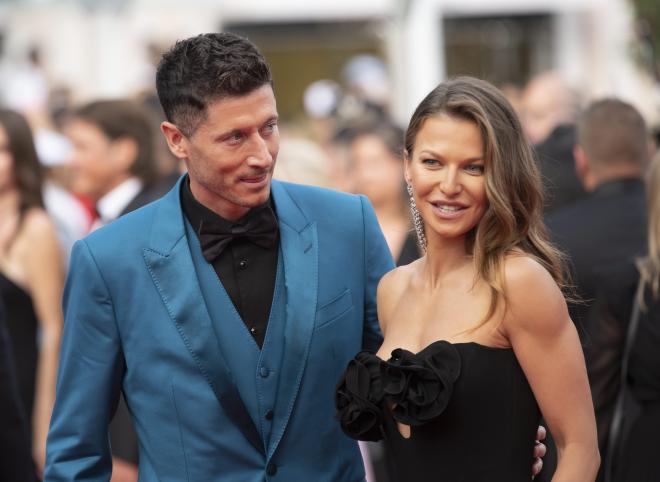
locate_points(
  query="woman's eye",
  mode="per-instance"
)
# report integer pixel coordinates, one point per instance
(430, 162)
(475, 168)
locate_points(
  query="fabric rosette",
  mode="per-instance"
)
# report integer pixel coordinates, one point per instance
(359, 398)
(419, 386)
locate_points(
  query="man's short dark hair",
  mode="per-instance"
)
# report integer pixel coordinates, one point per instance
(612, 132)
(200, 70)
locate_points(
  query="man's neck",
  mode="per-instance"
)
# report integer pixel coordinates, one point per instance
(612, 173)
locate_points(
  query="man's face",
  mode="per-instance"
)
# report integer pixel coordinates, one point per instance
(96, 161)
(231, 155)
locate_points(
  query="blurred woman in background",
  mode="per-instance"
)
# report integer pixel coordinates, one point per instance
(376, 170)
(634, 449)
(31, 275)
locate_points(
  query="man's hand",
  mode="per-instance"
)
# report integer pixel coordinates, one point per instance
(539, 451)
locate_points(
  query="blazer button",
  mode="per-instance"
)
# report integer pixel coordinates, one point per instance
(269, 414)
(264, 372)
(271, 469)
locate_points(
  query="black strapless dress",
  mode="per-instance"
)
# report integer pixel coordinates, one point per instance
(472, 413)
(22, 328)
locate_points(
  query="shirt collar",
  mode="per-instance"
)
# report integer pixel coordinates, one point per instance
(110, 206)
(196, 212)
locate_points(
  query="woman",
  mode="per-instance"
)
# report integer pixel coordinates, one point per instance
(635, 450)
(376, 170)
(476, 332)
(31, 275)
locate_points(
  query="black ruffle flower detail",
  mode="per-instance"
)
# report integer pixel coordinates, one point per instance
(359, 398)
(419, 386)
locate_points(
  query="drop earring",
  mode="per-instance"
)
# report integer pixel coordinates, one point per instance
(418, 223)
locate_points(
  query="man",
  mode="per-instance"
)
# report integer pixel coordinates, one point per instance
(606, 230)
(549, 107)
(608, 227)
(226, 350)
(114, 157)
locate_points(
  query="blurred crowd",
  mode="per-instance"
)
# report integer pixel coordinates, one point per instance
(66, 169)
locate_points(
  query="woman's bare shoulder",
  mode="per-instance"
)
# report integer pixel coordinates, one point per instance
(391, 288)
(37, 235)
(533, 298)
(37, 222)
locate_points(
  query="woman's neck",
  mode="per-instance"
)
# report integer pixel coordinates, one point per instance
(9, 203)
(444, 256)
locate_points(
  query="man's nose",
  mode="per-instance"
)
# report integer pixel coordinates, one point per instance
(259, 153)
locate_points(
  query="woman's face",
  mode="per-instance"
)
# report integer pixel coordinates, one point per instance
(6, 162)
(376, 171)
(446, 172)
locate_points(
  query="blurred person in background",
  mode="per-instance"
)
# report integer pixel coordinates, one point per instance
(549, 108)
(608, 227)
(636, 448)
(376, 170)
(113, 163)
(16, 463)
(304, 162)
(31, 275)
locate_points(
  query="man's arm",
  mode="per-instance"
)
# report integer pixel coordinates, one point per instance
(378, 261)
(89, 377)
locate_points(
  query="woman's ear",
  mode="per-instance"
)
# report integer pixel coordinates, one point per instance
(406, 166)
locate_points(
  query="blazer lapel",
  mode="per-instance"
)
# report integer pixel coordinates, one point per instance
(171, 266)
(299, 246)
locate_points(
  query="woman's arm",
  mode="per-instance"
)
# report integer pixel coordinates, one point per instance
(44, 279)
(547, 346)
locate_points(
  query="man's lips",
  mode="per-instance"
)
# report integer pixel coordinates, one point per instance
(255, 179)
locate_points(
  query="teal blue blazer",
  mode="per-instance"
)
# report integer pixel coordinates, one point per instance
(143, 316)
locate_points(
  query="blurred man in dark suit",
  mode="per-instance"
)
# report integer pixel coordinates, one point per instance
(609, 226)
(15, 451)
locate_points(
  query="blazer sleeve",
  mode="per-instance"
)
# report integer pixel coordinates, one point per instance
(89, 378)
(378, 261)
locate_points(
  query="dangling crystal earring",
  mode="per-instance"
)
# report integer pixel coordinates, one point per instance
(417, 220)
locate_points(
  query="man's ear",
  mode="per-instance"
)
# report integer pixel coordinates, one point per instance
(176, 141)
(582, 169)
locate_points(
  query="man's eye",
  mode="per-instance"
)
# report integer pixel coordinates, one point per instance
(270, 127)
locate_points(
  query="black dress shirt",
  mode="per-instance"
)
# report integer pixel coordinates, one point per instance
(247, 271)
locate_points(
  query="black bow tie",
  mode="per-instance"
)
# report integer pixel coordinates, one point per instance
(259, 226)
